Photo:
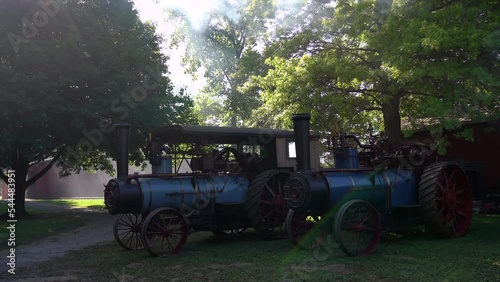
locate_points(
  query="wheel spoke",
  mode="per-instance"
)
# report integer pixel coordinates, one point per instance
(164, 220)
(129, 218)
(451, 178)
(137, 240)
(367, 217)
(440, 185)
(270, 190)
(123, 234)
(128, 241)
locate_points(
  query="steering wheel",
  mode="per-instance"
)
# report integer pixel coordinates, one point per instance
(226, 152)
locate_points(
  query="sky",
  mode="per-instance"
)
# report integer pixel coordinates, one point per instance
(151, 11)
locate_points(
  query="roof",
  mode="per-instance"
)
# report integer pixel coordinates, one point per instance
(219, 135)
(427, 122)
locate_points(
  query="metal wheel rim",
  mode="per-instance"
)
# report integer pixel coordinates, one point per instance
(164, 231)
(357, 228)
(273, 206)
(453, 200)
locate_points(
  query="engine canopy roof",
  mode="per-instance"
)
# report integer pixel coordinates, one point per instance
(219, 134)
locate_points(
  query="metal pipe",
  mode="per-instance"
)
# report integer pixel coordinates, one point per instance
(122, 141)
(302, 143)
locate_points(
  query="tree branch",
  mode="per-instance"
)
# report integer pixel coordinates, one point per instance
(355, 90)
(43, 171)
(351, 49)
(4, 177)
(416, 93)
(377, 101)
(36, 162)
(372, 108)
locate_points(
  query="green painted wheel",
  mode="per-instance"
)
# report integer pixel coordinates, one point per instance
(357, 228)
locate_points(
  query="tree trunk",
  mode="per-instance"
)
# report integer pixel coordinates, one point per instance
(20, 170)
(392, 120)
(233, 120)
(21, 166)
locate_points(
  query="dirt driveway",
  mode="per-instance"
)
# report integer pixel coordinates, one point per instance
(96, 230)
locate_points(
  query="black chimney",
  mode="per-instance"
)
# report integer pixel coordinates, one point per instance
(301, 131)
(122, 135)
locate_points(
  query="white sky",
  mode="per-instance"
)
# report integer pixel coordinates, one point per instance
(151, 11)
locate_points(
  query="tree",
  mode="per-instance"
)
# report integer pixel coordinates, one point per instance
(70, 70)
(447, 52)
(359, 61)
(224, 45)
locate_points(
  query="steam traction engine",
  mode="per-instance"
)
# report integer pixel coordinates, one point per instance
(367, 188)
(203, 179)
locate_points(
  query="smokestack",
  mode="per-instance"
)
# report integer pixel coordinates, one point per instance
(301, 131)
(122, 135)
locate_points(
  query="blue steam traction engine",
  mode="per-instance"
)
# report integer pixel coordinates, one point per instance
(227, 179)
(370, 187)
(216, 179)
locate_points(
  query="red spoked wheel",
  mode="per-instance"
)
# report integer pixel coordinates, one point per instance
(302, 230)
(164, 231)
(357, 228)
(266, 205)
(127, 231)
(446, 199)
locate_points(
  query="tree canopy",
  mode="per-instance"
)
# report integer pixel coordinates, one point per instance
(224, 44)
(70, 70)
(381, 61)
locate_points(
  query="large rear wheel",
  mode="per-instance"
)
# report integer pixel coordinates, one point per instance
(446, 198)
(266, 204)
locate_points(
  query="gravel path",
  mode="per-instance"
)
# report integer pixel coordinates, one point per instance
(97, 229)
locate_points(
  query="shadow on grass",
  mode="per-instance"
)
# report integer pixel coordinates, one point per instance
(412, 255)
(244, 237)
(38, 226)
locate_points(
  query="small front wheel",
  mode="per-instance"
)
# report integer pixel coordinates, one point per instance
(164, 231)
(357, 228)
(303, 229)
(127, 230)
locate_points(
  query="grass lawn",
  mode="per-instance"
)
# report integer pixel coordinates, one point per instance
(41, 224)
(77, 203)
(406, 256)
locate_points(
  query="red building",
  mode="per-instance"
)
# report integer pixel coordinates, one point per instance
(480, 157)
